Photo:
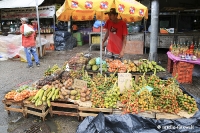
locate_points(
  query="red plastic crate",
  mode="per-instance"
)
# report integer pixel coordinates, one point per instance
(183, 70)
(170, 65)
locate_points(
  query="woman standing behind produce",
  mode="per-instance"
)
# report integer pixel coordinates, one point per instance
(29, 44)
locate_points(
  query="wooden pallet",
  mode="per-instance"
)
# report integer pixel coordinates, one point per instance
(11, 105)
(40, 111)
(86, 111)
(63, 104)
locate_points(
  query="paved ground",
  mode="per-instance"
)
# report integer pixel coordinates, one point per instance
(14, 72)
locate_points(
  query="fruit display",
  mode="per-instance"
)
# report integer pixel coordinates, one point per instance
(21, 93)
(97, 98)
(124, 66)
(112, 96)
(85, 94)
(131, 66)
(117, 66)
(147, 66)
(52, 70)
(76, 62)
(94, 65)
(46, 94)
(157, 94)
(149, 93)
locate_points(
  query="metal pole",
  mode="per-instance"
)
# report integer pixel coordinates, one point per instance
(154, 30)
(101, 45)
(38, 20)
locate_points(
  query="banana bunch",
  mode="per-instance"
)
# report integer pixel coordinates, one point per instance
(147, 66)
(52, 70)
(45, 95)
(131, 66)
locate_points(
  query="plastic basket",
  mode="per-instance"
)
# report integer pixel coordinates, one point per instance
(183, 71)
(170, 64)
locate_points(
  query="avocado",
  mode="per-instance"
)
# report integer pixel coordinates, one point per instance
(94, 67)
(88, 67)
(92, 62)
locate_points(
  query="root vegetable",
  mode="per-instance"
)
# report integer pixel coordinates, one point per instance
(83, 95)
(87, 98)
(88, 93)
(83, 99)
(67, 96)
(72, 97)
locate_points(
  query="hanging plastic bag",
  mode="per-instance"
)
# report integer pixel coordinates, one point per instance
(28, 30)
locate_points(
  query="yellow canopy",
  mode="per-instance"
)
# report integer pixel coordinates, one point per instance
(82, 10)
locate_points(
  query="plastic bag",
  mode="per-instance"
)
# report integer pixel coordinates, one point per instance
(28, 30)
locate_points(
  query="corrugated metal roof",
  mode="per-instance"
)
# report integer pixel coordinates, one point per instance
(19, 3)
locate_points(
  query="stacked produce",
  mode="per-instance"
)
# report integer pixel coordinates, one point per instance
(117, 66)
(85, 94)
(77, 62)
(21, 93)
(162, 95)
(112, 96)
(97, 98)
(150, 93)
(147, 66)
(131, 66)
(66, 88)
(46, 94)
(52, 70)
(94, 65)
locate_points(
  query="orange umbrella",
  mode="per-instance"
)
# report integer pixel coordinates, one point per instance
(129, 10)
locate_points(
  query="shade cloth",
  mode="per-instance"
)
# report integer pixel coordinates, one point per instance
(176, 59)
(19, 3)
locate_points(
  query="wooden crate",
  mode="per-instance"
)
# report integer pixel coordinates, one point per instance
(11, 105)
(43, 51)
(167, 116)
(147, 114)
(64, 105)
(117, 111)
(40, 111)
(86, 111)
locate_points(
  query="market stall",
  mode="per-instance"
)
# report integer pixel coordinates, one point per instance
(77, 85)
(181, 61)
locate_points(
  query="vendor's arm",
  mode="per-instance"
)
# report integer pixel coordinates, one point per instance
(123, 47)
